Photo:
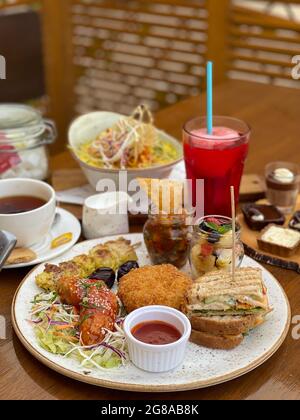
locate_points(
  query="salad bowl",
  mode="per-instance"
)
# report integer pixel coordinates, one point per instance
(89, 126)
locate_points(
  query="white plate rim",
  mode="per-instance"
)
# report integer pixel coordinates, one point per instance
(60, 251)
(123, 386)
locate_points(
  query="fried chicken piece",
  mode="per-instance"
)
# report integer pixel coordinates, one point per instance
(71, 290)
(98, 306)
(154, 285)
(98, 314)
(94, 327)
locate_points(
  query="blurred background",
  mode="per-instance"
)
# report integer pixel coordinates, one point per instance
(68, 57)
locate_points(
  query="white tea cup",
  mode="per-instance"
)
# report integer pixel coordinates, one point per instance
(29, 227)
(106, 214)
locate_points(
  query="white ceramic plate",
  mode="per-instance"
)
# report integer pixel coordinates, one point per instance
(65, 223)
(202, 367)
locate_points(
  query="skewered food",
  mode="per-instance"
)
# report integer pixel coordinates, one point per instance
(113, 253)
(154, 285)
(109, 255)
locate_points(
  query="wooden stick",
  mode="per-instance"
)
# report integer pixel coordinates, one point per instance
(233, 231)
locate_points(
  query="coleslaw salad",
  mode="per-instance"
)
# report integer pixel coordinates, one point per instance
(57, 330)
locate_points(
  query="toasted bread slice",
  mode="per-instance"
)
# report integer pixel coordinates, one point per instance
(218, 342)
(226, 325)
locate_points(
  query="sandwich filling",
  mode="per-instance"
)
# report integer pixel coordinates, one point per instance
(218, 294)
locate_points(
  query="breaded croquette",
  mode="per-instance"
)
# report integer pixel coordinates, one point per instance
(154, 285)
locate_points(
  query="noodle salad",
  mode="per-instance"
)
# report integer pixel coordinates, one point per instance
(133, 142)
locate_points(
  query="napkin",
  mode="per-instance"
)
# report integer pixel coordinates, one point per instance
(78, 195)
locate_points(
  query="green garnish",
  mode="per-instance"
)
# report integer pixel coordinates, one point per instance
(219, 229)
(224, 229)
(85, 318)
(212, 226)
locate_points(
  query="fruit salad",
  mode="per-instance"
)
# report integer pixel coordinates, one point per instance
(211, 247)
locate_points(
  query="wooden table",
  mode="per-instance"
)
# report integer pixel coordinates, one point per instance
(273, 114)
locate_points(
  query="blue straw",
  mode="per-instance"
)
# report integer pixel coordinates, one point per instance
(209, 75)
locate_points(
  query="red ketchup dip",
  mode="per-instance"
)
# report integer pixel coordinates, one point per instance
(156, 333)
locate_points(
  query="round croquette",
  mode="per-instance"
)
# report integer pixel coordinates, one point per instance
(154, 285)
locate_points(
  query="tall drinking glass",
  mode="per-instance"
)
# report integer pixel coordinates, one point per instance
(217, 159)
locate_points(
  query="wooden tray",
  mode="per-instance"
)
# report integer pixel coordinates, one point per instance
(249, 237)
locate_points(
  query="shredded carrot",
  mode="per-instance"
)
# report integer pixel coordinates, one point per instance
(66, 337)
(64, 327)
(52, 311)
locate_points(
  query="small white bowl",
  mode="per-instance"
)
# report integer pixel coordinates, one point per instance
(106, 215)
(157, 358)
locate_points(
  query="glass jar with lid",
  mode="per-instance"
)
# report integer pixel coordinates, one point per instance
(167, 239)
(24, 136)
(211, 245)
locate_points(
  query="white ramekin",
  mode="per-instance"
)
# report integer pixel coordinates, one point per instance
(157, 358)
(106, 214)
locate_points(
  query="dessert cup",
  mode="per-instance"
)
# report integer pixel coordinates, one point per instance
(282, 181)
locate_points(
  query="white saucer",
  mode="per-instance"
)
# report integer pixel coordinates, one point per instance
(64, 222)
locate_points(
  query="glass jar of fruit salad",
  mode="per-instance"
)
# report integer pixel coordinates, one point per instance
(167, 239)
(211, 245)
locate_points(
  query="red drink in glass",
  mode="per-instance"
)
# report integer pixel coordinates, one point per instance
(218, 159)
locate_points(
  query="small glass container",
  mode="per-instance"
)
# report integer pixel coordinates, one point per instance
(167, 239)
(211, 250)
(24, 136)
(282, 181)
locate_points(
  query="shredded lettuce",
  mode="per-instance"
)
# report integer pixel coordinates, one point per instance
(49, 342)
(56, 328)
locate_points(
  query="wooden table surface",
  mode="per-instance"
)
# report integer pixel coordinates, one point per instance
(273, 114)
